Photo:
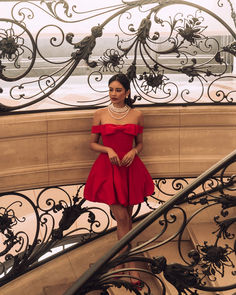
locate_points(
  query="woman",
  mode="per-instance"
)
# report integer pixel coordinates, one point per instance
(118, 177)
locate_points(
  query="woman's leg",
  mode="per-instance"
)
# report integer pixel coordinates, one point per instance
(130, 211)
(122, 217)
(123, 223)
(133, 264)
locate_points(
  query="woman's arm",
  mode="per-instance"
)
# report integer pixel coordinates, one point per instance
(97, 147)
(129, 157)
(94, 139)
(139, 138)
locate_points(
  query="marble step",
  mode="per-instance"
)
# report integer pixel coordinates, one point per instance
(61, 288)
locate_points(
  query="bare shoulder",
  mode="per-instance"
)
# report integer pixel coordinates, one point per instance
(100, 112)
(97, 116)
(138, 115)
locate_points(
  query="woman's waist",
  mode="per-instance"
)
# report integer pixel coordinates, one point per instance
(121, 152)
(120, 147)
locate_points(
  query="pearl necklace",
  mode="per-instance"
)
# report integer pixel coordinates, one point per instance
(123, 111)
(118, 110)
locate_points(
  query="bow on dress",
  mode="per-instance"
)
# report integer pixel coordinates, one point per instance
(107, 129)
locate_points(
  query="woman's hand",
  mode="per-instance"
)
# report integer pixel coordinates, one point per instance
(114, 159)
(128, 158)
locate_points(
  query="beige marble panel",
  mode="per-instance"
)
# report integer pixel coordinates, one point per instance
(200, 148)
(69, 175)
(81, 263)
(23, 178)
(69, 148)
(23, 151)
(70, 121)
(161, 150)
(13, 288)
(53, 148)
(161, 117)
(69, 157)
(163, 142)
(208, 116)
(22, 125)
(23, 162)
(162, 166)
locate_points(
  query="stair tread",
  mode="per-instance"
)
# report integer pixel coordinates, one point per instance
(61, 289)
(56, 289)
(146, 277)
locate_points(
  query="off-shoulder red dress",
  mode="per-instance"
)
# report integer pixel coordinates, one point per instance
(112, 184)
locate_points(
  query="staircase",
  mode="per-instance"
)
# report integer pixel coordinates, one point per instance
(170, 232)
(56, 276)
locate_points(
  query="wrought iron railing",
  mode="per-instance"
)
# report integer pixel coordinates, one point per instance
(201, 267)
(173, 51)
(38, 225)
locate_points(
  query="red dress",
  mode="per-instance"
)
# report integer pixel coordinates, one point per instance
(112, 184)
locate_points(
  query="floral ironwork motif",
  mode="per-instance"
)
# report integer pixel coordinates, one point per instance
(7, 221)
(231, 48)
(181, 276)
(152, 81)
(13, 46)
(111, 61)
(214, 259)
(9, 47)
(191, 30)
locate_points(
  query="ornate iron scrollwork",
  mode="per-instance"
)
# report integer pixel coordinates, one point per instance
(45, 224)
(154, 53)
(30, 229)
(55, 212)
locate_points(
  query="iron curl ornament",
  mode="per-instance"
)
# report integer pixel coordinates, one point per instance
(170, 55)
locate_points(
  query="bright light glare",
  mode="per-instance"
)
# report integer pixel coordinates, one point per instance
(52, 252)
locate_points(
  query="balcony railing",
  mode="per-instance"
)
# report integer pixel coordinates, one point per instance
(173, 51)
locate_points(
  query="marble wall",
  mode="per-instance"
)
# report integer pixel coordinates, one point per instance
(52, 148)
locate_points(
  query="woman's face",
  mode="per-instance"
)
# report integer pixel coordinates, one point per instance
(117, 93)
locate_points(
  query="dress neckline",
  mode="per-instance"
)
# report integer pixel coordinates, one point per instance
(118, 124)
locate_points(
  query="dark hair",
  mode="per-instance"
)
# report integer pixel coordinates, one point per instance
(124, 81)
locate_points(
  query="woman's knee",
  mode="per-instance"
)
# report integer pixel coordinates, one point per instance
(120, 213)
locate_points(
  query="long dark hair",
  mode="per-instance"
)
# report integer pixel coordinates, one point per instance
(124, 81)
